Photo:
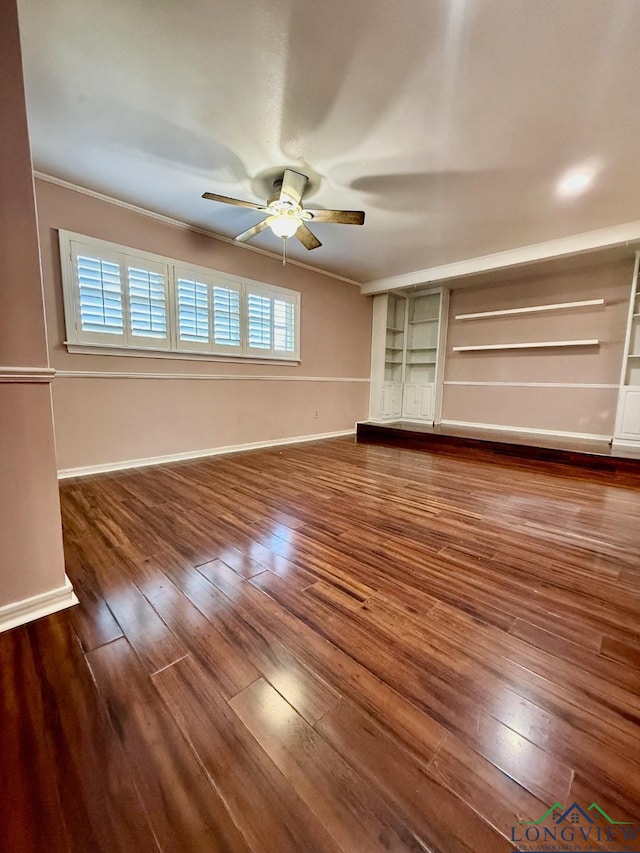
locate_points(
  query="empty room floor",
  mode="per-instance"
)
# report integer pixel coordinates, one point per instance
(329, 646)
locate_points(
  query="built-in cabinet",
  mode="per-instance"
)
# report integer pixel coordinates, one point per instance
(627, 431)
(407, 355)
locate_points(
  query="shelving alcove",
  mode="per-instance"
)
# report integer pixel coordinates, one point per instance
(627, 428)
(407, 357)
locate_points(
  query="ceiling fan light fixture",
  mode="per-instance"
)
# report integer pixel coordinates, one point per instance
(284, 225)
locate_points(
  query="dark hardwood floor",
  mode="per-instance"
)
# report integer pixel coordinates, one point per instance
(328, 646)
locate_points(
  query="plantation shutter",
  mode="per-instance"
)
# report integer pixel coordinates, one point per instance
(193, 312)
(259, 322)
(226, 317)
(130, 299)
(99, 297)
(147, 286)
(284, 328)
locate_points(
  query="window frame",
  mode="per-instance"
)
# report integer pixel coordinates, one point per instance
(171, 347)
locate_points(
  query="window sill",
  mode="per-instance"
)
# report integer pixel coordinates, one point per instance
(140, 352)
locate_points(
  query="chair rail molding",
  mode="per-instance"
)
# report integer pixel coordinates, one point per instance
(26, 375)
(253, 377)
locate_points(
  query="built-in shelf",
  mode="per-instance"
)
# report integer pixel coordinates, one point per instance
(532, 345)
(634, 355)
(391, 329)
(422, 349)
(394, 349)
(420, 322)
(533, 309)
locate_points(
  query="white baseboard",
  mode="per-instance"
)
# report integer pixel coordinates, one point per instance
(626, 445)
(20, 612)
(85, 471)
(582, 436)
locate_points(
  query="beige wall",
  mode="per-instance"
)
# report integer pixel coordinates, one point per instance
(581, 409)
(31, 559)
(101, 420)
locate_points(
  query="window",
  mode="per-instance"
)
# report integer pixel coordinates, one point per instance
(120, 298)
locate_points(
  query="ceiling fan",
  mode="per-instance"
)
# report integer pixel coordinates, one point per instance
(285, 215)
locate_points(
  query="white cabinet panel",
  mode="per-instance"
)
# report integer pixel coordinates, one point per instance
(411, 401)
(396, 406)
(426, 402)
(392, 400)
(630, 415)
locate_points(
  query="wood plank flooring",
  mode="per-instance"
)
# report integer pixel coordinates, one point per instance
(328, 647)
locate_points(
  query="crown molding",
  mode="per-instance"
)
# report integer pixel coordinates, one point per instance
(626, 234)
(177, 223)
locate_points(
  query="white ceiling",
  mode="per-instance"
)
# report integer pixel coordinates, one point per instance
(448, 121)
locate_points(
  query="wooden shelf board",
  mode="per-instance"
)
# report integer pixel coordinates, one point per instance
(533, 309)
(530, 345)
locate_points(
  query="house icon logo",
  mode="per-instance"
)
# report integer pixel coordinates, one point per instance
(574, 815)
(585, 829)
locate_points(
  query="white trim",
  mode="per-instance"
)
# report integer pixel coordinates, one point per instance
(26, 375)
(44, 604)
(534, 384)
(626, 445)
(101, 374)
(576, 244)
(584, 436)
(65, 473)
(533, 309)
(185, 226)
(531, 345)
(177, 355)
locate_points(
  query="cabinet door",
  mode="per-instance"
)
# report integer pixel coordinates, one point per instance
(411, 401)
(426, 402)
(396, 405)
(387, 400)
(630, 419)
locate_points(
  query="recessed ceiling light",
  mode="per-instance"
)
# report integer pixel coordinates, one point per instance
(574, 182)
